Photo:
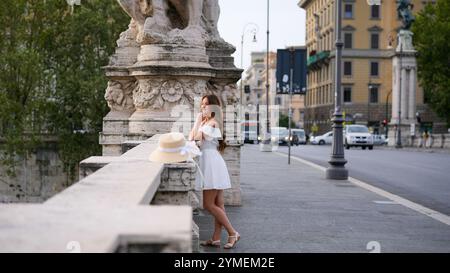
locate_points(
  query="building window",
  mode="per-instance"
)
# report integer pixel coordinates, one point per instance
(347, 94)
(374, 40)
(347, 68)
(375, 12)
(348, 40)
(373, 93)
(374, 71)
(348, 11)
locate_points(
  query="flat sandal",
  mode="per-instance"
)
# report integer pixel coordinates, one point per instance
(211, 242)
(231, 245)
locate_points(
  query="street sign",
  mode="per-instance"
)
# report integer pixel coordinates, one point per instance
(299, 71)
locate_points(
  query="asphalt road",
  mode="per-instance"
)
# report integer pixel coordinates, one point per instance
(420, 177)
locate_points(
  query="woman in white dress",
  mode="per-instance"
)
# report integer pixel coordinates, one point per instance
(208, 131)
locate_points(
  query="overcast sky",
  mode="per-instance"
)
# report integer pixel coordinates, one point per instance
(287, 25)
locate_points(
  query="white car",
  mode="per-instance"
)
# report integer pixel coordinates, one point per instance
(359, 136)
(326, 138)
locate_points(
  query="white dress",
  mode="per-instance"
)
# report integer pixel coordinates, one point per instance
(211, 163)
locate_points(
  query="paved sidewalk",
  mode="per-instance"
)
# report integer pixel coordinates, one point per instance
(293, 208)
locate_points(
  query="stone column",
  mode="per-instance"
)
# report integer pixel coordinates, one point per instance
(395, 91)
(404, 96)
(412, 95)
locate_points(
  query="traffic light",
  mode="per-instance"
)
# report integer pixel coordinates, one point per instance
(384, 122)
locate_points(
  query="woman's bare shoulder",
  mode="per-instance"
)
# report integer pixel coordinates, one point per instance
(213, 123)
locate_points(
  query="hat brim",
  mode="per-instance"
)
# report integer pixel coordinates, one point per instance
(165, 157)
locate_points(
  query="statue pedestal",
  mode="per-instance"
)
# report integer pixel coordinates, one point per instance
(408, 133)
(404, 87)
(164, 87)
(169, 57)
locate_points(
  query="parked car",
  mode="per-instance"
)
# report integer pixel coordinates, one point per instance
(379, 140)
(326, 138)
(300, 133)
(357, 135)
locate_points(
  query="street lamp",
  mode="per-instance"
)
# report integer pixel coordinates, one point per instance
(398, 143)
(387, 112)
(368, 103)
(266, 144)
(253, 30)
(267, 74)
(337, 161)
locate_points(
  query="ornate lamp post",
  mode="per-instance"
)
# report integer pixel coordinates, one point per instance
(266, 145)
(253, 30)
(337, 160)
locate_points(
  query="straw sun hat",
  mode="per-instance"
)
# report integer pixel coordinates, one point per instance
(173, 147)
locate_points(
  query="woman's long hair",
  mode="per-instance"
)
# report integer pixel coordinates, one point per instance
(218, 115)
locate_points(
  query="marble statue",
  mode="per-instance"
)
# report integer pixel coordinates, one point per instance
(404, 8)
(169, 21)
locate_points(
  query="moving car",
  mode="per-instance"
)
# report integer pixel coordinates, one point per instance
(279, 135)
(326, 138)
(358, 136)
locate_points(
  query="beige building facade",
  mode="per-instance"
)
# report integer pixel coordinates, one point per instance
(369, 35)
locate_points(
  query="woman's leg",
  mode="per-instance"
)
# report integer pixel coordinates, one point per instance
(217, 225)
(209, 197)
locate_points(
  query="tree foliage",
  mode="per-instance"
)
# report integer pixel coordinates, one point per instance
(51, 79)
(283, 121)
(431, 38)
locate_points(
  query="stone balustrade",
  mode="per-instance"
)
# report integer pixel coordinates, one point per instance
(121, 204)
(438, 141)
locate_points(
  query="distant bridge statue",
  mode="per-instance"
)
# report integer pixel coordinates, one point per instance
(404, 8)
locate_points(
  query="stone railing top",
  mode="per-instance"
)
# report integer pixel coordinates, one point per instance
(103, 212)
(129, 179)
(40, 228)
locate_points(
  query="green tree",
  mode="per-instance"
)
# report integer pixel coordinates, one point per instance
(51, 81)
(431, 38)
(283, 121)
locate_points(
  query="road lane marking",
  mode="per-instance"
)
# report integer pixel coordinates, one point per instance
(386, 202)
(400, 200)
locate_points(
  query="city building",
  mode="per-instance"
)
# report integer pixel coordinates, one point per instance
(254, 86)
(369, 35)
